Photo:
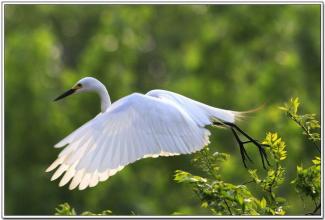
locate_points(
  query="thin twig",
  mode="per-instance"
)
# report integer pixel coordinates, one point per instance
(227, 206)
(315, 210)
(249, 181)
(273, 181)
(305, 130)
(209, 164)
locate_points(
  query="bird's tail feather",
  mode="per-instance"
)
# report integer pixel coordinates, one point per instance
(240, 115)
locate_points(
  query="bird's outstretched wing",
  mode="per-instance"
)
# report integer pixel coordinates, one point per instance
(134, 127)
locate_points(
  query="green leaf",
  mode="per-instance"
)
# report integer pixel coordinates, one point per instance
(307, 122)
(277, 146)
(295, 104)
(263, 203)
(307, 181)
(182, 176)
(204, 205)
(64, 209)
(316, 161)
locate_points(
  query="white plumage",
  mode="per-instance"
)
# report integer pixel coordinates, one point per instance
(159, 123)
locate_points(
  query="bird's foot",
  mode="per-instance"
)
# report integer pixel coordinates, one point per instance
(241, 144)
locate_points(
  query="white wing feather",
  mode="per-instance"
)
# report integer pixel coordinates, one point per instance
(160, 123)
(201, 113)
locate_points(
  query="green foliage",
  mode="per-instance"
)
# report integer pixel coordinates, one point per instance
(223, 198)
(308, 180)
(209, 162)
(65, 209)
(276, 145)
(307, 122)
(219, 197)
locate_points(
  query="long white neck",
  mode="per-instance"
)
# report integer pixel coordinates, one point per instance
(105, 100)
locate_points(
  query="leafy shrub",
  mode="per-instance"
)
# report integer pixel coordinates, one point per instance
(66, 209)
(223, 198)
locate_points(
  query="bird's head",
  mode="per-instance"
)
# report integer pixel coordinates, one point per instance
(86, 84)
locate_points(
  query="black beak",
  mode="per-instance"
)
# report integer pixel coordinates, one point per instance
(67, 93)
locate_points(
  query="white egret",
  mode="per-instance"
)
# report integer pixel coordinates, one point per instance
(159, 123)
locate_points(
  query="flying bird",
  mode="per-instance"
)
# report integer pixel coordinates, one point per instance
(158, 123)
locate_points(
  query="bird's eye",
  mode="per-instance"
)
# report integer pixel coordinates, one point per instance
(77, 86)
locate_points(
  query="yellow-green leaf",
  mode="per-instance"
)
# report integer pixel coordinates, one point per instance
(263, 203)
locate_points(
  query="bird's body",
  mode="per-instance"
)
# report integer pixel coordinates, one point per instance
(159, 123)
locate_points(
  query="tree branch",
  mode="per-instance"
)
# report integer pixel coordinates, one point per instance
(315, 210)
(305, 130)
(229, 210)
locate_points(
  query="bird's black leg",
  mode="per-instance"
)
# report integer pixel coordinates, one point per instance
(242, 148)
(251, 140)
(261, 150)
(263, 145)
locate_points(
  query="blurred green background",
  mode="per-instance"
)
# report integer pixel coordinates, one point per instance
(229, 56)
